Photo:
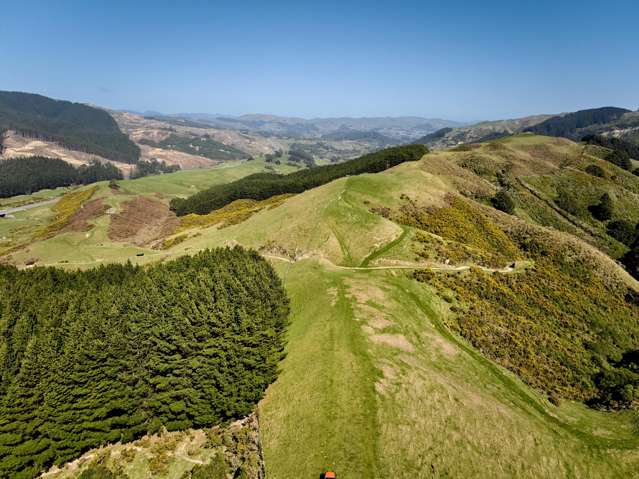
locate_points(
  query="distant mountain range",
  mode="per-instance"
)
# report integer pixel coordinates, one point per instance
(34, 125)
(399, 129)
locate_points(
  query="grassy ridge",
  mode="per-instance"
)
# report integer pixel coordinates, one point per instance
(263, 186)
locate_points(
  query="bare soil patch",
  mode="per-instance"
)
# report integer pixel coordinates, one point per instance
(394, 340)
(80, 219)
(363, 292)
(185, 161)
(142, 221)
(18, 146)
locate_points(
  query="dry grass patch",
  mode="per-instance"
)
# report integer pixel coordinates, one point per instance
(398, 341)
(231, 451)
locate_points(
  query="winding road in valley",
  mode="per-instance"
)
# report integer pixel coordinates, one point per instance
(29, 206)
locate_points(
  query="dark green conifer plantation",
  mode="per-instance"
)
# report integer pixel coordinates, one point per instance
(19, 176)
(107, 355)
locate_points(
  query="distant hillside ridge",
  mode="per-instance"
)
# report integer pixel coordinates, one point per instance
(436, 135)
(478, 132)
(262, 186)
(74, 126)
(569, 125)
(350, 134)
(406, 128)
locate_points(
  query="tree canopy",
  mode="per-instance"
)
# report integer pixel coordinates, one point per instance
(603, 210)
(152, 167)
(502, 201)
(20, 176)
(112, 353)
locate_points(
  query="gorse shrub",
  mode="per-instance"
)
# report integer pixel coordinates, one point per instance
(595, 170)
(64, 209)
(603, 210)
(468, 234)
(109, 354)
(623, 231)
(561, 325)
(502, 201)
(553, 325)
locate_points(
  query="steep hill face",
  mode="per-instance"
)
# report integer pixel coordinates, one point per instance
(431, 333)
(18, 146)
(576, 125)
(72, 125)
(608, 121)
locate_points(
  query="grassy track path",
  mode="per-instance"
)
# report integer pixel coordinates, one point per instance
(385, 248)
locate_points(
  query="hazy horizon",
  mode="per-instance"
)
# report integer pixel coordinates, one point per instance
(455, 62)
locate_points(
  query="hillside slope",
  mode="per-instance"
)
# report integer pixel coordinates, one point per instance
(432, 335)
(74, 126)
(607, 121)
(476, 133)
(576, 125)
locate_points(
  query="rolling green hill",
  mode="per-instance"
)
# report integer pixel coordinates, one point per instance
(72, 125)
(264, 186)
(431, 335)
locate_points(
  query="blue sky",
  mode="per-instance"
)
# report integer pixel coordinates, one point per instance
(456, 60)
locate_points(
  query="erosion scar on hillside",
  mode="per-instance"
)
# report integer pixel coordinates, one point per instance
(142, 221)
(89, 211)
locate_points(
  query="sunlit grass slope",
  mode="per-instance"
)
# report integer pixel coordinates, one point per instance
(374, 384)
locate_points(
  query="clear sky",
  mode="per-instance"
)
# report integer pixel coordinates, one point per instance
(452, 59)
